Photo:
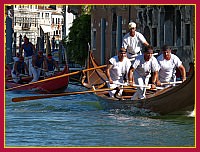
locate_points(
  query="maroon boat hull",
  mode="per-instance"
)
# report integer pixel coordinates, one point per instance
(46, 86)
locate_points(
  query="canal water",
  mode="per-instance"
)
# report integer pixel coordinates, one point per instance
(79, 121)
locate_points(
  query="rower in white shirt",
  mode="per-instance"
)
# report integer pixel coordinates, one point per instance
(117, 71)
(167, 64)
(141, 70)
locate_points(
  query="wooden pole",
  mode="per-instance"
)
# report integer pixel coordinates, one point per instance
(19, 99)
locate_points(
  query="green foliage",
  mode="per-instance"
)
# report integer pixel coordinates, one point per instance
(78, 38)
(86, 9)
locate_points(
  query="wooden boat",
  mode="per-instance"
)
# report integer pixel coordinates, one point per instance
(48, 84)
(168, 100)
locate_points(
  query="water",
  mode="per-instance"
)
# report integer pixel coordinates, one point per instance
(79, 120)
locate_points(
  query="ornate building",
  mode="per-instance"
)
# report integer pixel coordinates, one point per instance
(38, 21)
(173, 25)
(42, 24)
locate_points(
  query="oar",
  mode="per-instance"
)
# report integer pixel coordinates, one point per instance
(139, 86)
(19, 99)
(176, 82)
(56, 77)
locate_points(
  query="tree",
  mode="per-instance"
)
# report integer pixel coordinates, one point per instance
(78, 38)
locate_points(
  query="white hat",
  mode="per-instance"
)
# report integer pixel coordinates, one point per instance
(131, 25)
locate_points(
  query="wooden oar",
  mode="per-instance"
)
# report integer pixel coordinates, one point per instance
(139, 86)
(176, 82)
(19, 99)
(56, 77)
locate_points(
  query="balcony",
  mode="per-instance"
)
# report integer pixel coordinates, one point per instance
(26, 26)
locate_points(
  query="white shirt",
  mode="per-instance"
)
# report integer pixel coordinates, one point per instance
(144, 68)
(133, 44)
(15, 58)
(167, 67)
(119, 69)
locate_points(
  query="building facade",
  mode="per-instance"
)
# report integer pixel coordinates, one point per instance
(26, 22)
(108, 26)
(173, 25)
(38, 21)
(44, 25)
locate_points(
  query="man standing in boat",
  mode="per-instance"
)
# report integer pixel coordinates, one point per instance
(117, 70)
(140, 72)
(19, 68)
(168, 63)
(29, 50)
(133, 41)
(37, 63)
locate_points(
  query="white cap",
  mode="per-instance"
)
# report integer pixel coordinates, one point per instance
(131, 25)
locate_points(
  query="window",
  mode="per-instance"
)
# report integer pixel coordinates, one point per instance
(15, 21)
(187, 34)
(114, 23)
(123, 33)
(94, 40)
(154, 37)
(47, 15)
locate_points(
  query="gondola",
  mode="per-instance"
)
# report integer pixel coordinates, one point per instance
(164, 101)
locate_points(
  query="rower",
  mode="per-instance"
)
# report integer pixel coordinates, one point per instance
(15, 59)
(19, 69)
(52, 64)
(141, 70)
(117, 71)
(168, 62)
(37, 62)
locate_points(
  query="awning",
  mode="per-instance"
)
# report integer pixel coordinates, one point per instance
(46, 28)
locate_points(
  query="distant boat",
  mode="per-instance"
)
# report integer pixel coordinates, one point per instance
(167, 100)
(48, 84)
